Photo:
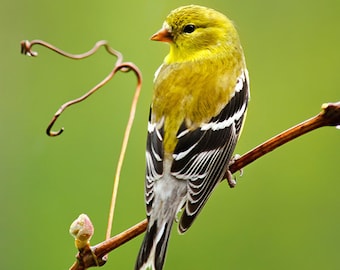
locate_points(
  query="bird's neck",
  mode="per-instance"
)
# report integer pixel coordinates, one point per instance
(179, 55)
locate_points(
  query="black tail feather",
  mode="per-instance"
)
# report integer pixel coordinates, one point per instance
(151, 245)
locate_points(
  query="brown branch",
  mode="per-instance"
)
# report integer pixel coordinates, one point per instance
(329, 116)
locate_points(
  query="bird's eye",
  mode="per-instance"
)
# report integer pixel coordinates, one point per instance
(189, 28)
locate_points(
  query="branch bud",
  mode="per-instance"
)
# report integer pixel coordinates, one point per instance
(82, 230)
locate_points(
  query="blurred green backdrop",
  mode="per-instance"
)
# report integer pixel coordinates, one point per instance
(284, 213)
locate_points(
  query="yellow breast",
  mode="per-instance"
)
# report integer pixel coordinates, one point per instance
(194, 92)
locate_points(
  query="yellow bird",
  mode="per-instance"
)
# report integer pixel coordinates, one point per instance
(201, 92)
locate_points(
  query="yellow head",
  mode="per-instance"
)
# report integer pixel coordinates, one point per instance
(195, 32)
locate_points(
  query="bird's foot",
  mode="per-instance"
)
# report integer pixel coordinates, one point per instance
(231, 180)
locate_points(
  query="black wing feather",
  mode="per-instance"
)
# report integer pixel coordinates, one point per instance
(202, 155)
(154, 160)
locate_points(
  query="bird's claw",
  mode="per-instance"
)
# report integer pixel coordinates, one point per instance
(230, 178)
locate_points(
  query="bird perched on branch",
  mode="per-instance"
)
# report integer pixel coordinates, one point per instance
(200, 98)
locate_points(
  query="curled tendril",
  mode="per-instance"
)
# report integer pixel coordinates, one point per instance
(26, 48)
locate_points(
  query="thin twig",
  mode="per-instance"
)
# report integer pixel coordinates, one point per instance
(122, 154)
(26, 48)
(329, 116)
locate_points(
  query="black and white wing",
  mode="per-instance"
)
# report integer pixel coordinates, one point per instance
(154, 159)
(202, 155)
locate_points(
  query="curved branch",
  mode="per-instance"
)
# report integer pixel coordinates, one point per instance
(125, 67)
(329, 116)
(26, 48)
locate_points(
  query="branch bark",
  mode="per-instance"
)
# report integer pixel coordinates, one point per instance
(329, 116)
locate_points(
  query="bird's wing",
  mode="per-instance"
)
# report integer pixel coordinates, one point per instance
(154, 159)
(202, 155)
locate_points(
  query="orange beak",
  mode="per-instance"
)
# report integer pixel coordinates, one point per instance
(162, 35)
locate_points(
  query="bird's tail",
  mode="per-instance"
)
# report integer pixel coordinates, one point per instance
(153, 250)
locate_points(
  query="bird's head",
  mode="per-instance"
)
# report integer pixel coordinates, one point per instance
(195, 32)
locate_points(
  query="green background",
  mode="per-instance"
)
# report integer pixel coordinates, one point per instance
(284, 212)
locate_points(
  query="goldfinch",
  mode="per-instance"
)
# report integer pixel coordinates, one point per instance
(201, 92)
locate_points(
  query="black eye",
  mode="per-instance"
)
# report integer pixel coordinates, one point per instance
(189, 28)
